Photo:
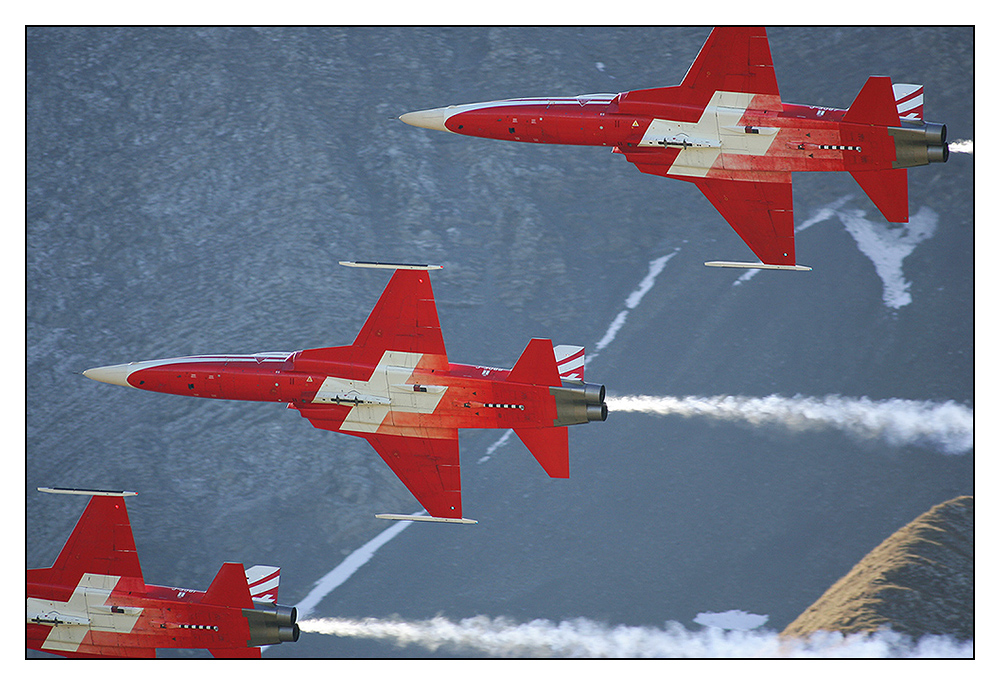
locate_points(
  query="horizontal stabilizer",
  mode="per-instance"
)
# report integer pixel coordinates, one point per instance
(536, 365)
(887, 188)
(875, 105)
(415, 517)
(235, 652)
(761, 265)
(550, 446)
(229, 588)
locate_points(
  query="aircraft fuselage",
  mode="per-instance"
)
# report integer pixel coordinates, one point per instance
(103, 613)
(736, 135)
(397, 395)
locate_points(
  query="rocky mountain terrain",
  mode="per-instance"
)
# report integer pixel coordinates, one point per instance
(920, 581)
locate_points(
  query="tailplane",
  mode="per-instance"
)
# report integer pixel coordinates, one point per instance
(876, 105)
(229, 588)
(550, 447)
(889, 190)
(536, 365)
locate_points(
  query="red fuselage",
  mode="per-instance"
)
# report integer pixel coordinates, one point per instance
(736, 140)
(463, 397)
(131, 617)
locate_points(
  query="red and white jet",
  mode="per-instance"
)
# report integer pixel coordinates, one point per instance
(395, 387)
(725, 129)
(93, 602)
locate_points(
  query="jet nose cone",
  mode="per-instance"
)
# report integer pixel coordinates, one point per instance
(116, 375)
(427, 118)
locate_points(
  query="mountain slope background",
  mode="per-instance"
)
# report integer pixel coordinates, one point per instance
(191, 190)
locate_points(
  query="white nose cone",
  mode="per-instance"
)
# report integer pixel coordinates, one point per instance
(427, 118)
(116, 375)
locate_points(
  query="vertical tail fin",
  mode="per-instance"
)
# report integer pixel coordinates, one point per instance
(909, 100)
(263, 583)
(569, 359)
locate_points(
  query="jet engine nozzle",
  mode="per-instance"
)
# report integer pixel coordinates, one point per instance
(288, 633)
(593, 393)
(578, 402)
(271, 624)
(919, 143)
(597, 413)
(937, 153)
(936, 134)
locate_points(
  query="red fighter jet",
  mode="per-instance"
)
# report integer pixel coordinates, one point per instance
(396, 388)
(93, 602)
(725, 129)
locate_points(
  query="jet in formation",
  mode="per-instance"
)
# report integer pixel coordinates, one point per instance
(94, 602)
(395, 387)
(725, 129)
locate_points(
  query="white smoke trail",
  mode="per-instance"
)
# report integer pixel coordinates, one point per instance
(945, 426)
(583, 638)
(963, 146)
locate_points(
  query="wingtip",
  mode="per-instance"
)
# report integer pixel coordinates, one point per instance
(760, 265)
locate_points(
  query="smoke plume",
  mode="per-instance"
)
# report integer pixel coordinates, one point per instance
(945, 426)
(963, 146)
(583, 638)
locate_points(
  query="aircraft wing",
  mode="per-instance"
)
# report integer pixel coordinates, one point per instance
(428, 467)
(405, 319)
(101, 543)
(760, 211)
(734, 59)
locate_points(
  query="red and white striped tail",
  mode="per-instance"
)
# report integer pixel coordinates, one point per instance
(909, 100)
(569, 359)
(263, 582)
